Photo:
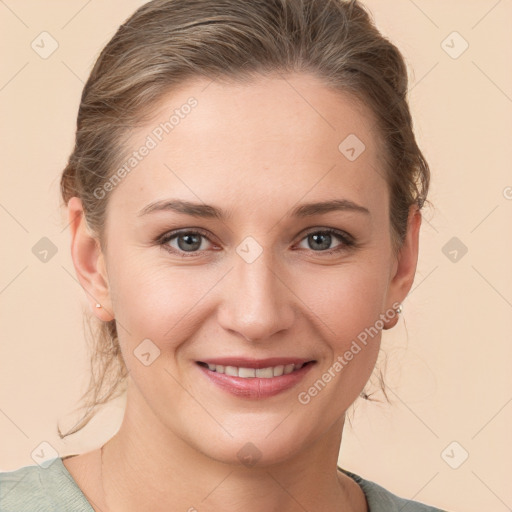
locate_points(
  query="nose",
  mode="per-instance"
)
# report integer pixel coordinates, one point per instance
(257, 300)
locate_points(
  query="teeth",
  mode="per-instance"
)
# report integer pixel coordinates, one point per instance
(288, 368)
(278, 371)
(249, 373)
(264, 373)
(231, 370)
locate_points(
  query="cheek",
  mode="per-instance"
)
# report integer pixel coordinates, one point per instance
(154, 300)
(154, 313)
(346, 304)
(347, 299)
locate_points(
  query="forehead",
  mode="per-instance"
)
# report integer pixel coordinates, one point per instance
(276, 138)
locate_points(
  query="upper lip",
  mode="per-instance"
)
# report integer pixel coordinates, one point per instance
(244, 362)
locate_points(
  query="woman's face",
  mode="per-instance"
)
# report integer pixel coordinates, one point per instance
(256, 278)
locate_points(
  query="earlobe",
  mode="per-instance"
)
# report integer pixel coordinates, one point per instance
(407, 260)
(88, 261)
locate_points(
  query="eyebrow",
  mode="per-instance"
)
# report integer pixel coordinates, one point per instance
(209, 211)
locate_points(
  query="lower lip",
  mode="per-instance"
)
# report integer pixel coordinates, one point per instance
(256, 388)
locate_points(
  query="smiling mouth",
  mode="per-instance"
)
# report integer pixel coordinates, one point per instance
(251, 373)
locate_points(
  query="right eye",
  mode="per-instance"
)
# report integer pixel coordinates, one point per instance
(188, 241)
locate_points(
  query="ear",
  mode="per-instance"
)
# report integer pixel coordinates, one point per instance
(404, 268)
(89, 263)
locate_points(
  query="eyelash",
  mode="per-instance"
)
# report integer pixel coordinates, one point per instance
(346, 239)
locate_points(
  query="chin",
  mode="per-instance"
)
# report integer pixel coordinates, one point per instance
(254, 447)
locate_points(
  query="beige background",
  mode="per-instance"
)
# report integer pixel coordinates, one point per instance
(449, 357)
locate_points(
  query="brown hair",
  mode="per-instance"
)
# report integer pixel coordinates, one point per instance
(166, 42)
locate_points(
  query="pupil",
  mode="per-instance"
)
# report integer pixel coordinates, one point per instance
(190, 244)
(328, 238)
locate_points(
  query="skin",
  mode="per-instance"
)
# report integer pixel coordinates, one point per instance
(256, 150)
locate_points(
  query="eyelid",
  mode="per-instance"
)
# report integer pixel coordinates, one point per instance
(333, 231)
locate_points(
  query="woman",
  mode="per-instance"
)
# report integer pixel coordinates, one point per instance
(244, 200)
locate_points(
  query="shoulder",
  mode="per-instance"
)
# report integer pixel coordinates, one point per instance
(21, 489)
(43, 488)
(381, 500)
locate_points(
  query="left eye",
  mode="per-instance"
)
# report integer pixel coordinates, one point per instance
(324, 239)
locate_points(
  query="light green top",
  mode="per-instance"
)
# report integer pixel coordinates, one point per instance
(52, 489)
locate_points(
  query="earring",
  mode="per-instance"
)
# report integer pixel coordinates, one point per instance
(98, 305)
(399, 309)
